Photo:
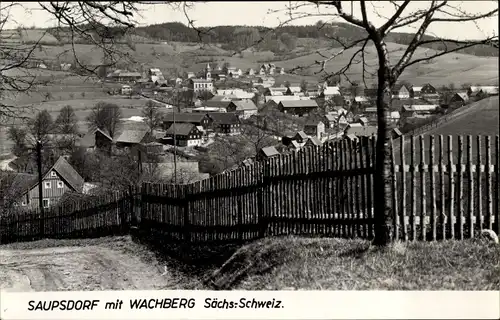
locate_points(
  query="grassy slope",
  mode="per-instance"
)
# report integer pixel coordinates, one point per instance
(338, 264)
(480, 118)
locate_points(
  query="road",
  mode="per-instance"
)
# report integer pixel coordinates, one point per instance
(103, 265)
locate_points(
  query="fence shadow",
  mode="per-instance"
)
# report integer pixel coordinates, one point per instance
(192, 259)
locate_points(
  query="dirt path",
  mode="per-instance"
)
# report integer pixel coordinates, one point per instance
(109, 265)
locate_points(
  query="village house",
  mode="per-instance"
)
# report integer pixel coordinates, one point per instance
(225, 122)
(132, 138)
(425, 90)
(314, 128)
(196, 119)
(124, 76)
(198, 85)
(267, 153)
(126, 90)
(297, 107)
(244, 108)
(420, 111)
(221, 104)
(95, 139)
(313, 141)
(400, 91)
(487, 90)
(330, 92)
(458, 100)
(250, 72)
(300, 137)
(56, 181)
(186, 135)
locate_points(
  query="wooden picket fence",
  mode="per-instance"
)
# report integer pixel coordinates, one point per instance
(439, 191)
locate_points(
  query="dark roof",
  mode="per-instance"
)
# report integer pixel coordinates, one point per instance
(184, 117)
(244, 105)
(398, 86)
(301, 134)
(132, 136)
(270, 151)
(299, 103)
(182, 129)
(88, 140)
(66, 173)
(224, 117)
(313, 140)
(312, 121)
(216, 104)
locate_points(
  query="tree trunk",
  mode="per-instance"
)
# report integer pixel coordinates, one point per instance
(382, 180)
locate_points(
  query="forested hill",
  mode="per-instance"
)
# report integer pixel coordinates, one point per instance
(238, 37)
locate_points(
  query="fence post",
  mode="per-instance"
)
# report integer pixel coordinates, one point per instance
(262, 182)
(185, 196)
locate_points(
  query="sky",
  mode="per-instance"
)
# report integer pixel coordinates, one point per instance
(272, 13)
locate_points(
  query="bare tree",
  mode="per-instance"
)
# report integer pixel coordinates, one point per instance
(151, 112)
(40, 127)
(105, 116)
(66, 121)
(388, 70)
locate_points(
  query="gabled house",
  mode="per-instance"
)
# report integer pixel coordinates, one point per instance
(244, 108)
(313, 142)
(132, 138)
(267, 153)
(225, 122)
(297, 107)
(458, 99)
(196, 118)
(186, 135)
(418, 110)
(250, 72)
(400, 91)
(56, 181)
(329, 92)
(314, 128)
(96, 139)
(300, 137)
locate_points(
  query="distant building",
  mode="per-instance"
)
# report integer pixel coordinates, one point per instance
(458, 99)
(56, 181)
(244, 108)
(195, 118)
(96, 139)
(400, 91)
(298, 107)
(186, 135)
(225, 122)
(200, 85)
(314, 128)
(267, 153)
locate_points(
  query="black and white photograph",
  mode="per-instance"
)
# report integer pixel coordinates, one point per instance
(268, 145)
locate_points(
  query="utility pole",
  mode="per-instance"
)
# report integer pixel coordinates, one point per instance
(40, 189)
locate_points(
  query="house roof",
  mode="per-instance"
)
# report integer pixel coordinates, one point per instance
(354, 125)
(421, 108)
(88, 141)
(313, 140)
(363, 119)
(216, 104)
(399, 86)
(462, 95)
(299, 103)
(331, 117)
(131, 136)
(302, 135)
(244, 105)
(182, 129)
(360, 99)
(184, 117)
(270, 151)
(361, 131)
(224, 117)
(295, 144)
(312, 122)
(371, 110)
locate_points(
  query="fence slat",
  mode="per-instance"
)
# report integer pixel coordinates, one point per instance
(413, 198)
(442, 200)
(489, 196)
(460, 188)
(432, 189)
(395, 211)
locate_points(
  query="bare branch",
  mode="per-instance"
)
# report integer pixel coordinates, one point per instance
(392, 19)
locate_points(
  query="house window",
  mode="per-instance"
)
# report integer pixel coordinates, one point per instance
(46, 203)
(47, 185)
(60, 184)
(53, 174)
